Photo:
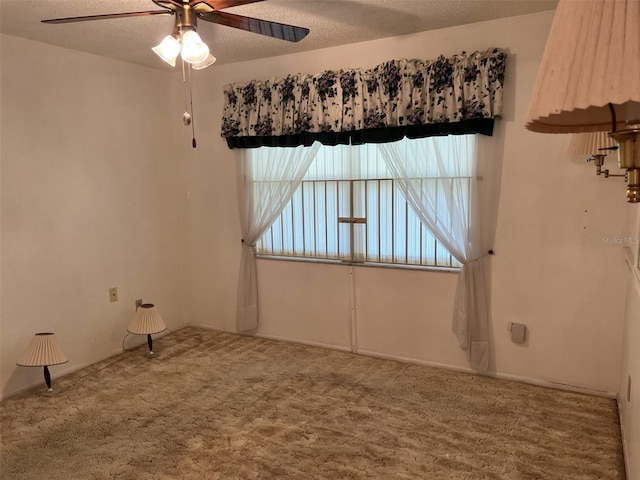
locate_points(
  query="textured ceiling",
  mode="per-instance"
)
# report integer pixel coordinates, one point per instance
(332, 23)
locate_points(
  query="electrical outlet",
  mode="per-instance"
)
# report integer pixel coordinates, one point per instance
(518, 332)
(113, 294)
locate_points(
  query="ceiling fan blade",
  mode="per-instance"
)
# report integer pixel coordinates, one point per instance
(207, 6)
(107, 16)
(255, 25)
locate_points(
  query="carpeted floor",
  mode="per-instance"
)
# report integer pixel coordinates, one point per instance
(222, 406)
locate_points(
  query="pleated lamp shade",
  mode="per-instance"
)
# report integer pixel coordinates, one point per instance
(590, 143)
(147, 320)
(43, 350)
(591, 60)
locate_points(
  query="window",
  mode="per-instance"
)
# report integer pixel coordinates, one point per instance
(349, 208)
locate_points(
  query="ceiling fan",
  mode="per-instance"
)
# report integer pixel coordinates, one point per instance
(185, 41)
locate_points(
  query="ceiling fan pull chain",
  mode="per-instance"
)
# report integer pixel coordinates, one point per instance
(193, 119)
(187, 118)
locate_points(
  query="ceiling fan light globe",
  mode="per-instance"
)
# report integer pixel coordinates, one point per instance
(210, 60)
(194, 50)
(168, 49)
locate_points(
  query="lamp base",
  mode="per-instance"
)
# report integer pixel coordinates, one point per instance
(48, 393)
(150, 354)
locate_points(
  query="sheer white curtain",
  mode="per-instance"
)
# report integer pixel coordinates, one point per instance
(265, 186)
(449, 205)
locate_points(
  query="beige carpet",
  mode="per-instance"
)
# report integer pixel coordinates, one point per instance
(221, 406)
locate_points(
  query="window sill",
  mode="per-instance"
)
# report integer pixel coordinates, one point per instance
(360, 264)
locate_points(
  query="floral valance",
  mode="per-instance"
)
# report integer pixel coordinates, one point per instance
(413, 98)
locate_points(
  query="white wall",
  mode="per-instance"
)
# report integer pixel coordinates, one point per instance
(92, 198)
(551, 271)
(630, 404)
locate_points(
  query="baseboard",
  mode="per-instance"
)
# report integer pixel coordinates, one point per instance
(501, 376)
(213, 329)
(445, 366)
(556, 385)
(413, 361)
(278, 338)
(625, 451)
(303, 342)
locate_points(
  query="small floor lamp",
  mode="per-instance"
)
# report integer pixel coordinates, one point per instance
(147, 321)
(43, 351)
